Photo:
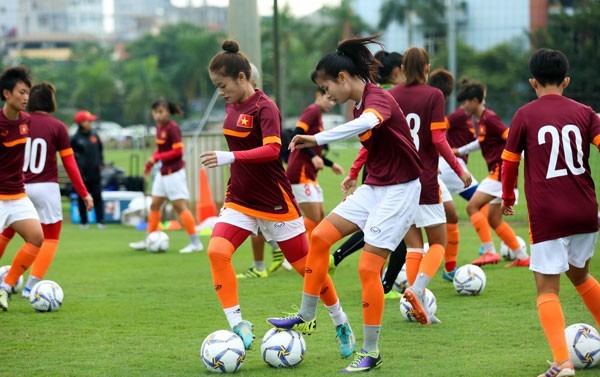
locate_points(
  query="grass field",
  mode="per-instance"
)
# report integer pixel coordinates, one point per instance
(132, 313)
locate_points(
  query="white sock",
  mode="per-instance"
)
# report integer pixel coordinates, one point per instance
(31, 282)
(520, 253)
(337, 314)
(234, 315)
(259, 265)
(489, 247)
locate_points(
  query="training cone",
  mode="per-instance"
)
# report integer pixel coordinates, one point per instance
(173, 225)
(206, 206)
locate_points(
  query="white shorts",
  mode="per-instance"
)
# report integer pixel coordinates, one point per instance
(383, 213)
(450, 179)
(16, 210)
(446, 195)
(307, 192)
(553, 257)
(430, 215)
(272, 230)
(494, 188)
(46, 200)
(172, 186)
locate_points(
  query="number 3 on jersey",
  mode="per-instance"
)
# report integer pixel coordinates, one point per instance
(35, 155)
(565, 139)
(414, 123)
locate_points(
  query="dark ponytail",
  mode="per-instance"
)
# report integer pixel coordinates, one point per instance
(414, 62)
(230, 62)
(389, 61)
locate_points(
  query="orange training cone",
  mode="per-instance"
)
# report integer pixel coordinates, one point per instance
(206, 206)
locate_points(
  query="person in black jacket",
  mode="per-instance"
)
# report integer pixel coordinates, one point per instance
(89, 154)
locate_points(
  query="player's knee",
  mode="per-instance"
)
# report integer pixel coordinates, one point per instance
(219, 251)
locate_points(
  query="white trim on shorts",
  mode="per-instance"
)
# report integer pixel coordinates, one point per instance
(16, 210)
(451, 180)
(172, 186)
(430, 215)
(553, 257)
(45, 197)
(307, 192)
(445, 193)
(494, 188)
(277, 231)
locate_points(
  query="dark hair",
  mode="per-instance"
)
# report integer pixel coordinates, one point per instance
(230, 62)
(470, 90)
(353, 56)
(172, 107)
(41, 98)
(548, 66)
(443, 80)
(414, 61)
(389, 61)
(320, 90)
(11, 76)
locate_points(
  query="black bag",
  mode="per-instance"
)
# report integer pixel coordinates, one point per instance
(135, 182)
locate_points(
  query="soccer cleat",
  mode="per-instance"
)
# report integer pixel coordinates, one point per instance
(25, 293)
(519, 263)
(84, 226)
(363, 362)
(487, 258)
(3, 300)
(481, 250)
(392, 295)
(101, 226)
(252, 272)
(244, 330)
(449, 276)
(287, 265)
(277, 260)
(191, 248)
(138, 246)
(417, 301)
(345, 339)
(332, 265)
(559, 370)
(293, 321)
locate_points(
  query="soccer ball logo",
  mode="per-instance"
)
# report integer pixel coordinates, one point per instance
(223, 352)
(469, 280)
(283, 348)
(584, 345)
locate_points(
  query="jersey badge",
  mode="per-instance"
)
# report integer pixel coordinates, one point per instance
(245, 121)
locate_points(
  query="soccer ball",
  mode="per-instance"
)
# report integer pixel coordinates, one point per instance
(584, 345)
(223, 352)
(157, 242)
(283, 348)
(401, 282)
(507, 253)
(469, 280)
(46, 296)
(17, 288)
(407, 311)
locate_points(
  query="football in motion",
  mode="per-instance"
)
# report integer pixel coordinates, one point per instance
(157, 242)
(17, 288)
(507, 253)
(283, 348)
(223, 352)
(584, 345)
(407, 311)
(469, 280)
(46, 296)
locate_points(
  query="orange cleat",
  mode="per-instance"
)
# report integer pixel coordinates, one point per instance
(519, 263)
(487, 258)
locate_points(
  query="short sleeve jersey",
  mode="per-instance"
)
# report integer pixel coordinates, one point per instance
(492, 133)
(13, 137)
(260, 190)
(168, 137)
(555, 133)
(460, 130)
(392, 158)
(300, 168)
(48, 136)
(423, 107)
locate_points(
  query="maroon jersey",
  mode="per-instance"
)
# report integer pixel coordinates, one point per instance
(168, 137)
(13, 137)
(555, 132)
(492, 133)
(423, 106)
(392, 158)
(261, 190)
(460, 130)
(47, 135)
(300, 168)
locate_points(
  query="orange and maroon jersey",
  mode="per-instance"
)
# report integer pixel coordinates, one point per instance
(460, 130)
(556, 132)
(392, 158)
(168, 138)
(47, 135)
(300, 168)
(423, 107)
(13, 137)
(492, 133)
(261, 190)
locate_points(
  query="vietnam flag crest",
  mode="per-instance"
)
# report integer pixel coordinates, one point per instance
(23, 129)
(245, 121)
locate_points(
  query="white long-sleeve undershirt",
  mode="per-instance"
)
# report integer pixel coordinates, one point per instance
(364, 122)
(469, 148)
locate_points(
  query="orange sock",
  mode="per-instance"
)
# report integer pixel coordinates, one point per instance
(373, 299)
(188, 222)
(44, 258)
(432, 260)
(4, 240)
(590, 293)
(485, 226)
(317, 262)
(453, 236)
(328, 294)
(153, 220)
(553, 323)
(24, 258)
(413, 263)
(310, 226)
(480, 223)
(507, 234)
(219, 253)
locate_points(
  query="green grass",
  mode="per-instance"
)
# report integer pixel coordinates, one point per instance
(132, 313)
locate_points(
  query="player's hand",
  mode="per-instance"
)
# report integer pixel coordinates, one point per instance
(89, 202)
(466, 178)
(507, 210)
(337, 169)
(150, 160)
(317, 162)
(455, 151)
(302, 141)
(213, 159)
(348, 186)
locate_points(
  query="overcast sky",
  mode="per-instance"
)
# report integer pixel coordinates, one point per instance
(265, 7)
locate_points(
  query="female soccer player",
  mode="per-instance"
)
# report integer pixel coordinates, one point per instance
(555, 133)
(383, 207)
(170, 183)
(16, 209)
(258, 194)
(47, 136)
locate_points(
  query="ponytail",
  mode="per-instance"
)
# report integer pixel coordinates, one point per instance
(414, 61)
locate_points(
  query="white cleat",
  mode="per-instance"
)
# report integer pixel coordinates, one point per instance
(287, 265)
(140, 245)
(191, 248)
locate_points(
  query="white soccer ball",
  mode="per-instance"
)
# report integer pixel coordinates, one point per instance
(401, 282)
(507, 253)
(283, 348)
(469, 280)
(17, 288)
(407, 311)
(46, 296)
(157, 242)
(584, 345)
(223, 352)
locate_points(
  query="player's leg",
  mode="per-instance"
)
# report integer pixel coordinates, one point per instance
(5, 237)
(258, 256)
(189, 224)
(507, 234)
(45, 256)
(581, 250)
(397, 260)
(95, 190)
(452, 233)
(354, 243)
(479, 221)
